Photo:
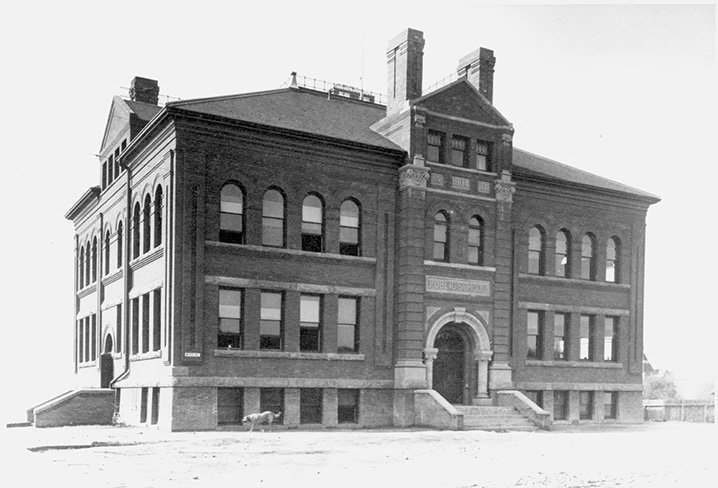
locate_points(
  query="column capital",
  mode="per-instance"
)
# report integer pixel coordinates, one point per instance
(430, 353)
(413, 175)
(483, 356)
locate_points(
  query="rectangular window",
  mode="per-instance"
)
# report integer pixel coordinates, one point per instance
(272, 399)
(347, 325)
(135, 325)
(310, 331)
(560, 405)
(146, 322)
(610, 339)
(155, 406)
(435, 147)
(459, 151)
(144, 398)
(230, 334)
(586, 405)
(610, 406)
(587, 337)
(93, 339)
(104, 174)
(560, 336)
(535, 396)
(310, 405)
(118, 329)
(230, 406)
(270, 321)
(483, 155)
(534, 335)
(348, 406)
(80, 341)
(156, 319)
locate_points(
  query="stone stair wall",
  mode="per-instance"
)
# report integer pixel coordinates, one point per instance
(95, 406)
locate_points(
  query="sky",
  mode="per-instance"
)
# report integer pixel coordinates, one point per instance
(625, 92)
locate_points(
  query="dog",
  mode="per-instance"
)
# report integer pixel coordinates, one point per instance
(261, 418)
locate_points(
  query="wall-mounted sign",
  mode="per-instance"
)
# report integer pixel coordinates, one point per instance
(192, 354)
(438, 284)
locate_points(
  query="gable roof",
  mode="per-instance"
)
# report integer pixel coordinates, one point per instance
(301, 110)
(461, 98)
(124, 113)
(529, 164)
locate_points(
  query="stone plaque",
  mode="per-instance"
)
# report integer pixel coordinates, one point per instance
(437, 179)
(483, 187)
(460, 183)
(438, 284)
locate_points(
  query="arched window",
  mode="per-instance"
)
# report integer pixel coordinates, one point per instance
(146, 224)
(231, 214)
(536, 251)
(158, 216)
(476, 241)
(613, 268)
(81, 274)
(273, 219)
(563, 254)
(441, 237)
(119, 245)
(94, 259)
(588, 261)
(312, 224)
(88, 259)
(107, 252)
(349, 225)
(136, 231)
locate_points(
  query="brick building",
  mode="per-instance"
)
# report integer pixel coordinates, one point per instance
(344, 261)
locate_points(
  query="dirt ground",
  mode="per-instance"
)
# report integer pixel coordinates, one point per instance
(647, 455)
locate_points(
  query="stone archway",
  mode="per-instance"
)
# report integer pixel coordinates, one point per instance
(482, 352)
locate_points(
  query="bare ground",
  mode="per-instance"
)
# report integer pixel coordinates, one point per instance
(647, 455)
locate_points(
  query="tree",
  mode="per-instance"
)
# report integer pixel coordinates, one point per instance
(661, 387)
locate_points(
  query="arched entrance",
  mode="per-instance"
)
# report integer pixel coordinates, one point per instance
(449, 376)
(456, 356)
(106, 364)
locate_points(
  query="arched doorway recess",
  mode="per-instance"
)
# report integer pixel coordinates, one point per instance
(106, 363)
(464, 345)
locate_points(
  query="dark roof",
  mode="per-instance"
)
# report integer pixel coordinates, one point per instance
(530, 164)
(301, 110)
(144, 111)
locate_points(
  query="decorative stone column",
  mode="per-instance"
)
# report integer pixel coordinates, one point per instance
(429, 356)
(482, 361)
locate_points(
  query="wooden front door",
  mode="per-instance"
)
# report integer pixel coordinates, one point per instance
(449, 371)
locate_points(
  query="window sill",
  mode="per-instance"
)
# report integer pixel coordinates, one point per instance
(320, 356)
(472, 267)
(146, 355)
(146, 258)
(88, 290)
(574, 364)
(112, 277)
(574, 281)
(294, 252)
(87, 364)
(461, 168)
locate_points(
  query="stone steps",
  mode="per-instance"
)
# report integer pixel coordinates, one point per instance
(494, 418)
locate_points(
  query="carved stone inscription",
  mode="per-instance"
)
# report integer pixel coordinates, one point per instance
(460, 183)
(438, 284)
(437, 179)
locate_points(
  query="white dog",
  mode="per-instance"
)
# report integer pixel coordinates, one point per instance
(261, 418)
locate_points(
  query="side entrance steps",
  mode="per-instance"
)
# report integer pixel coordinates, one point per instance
(91, 406)
(494, 418)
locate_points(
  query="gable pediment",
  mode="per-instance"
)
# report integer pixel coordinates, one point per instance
(463, 100)
(118, 123)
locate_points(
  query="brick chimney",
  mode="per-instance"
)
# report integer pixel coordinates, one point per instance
(144, 90)
(405, 65)
(478, 67)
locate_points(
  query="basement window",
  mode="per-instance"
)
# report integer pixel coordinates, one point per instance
(272, 399)
(230, 406)
(310, 406)
(348, 406)
(586, 405)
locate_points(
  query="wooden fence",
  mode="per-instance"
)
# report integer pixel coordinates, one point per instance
(679, 411)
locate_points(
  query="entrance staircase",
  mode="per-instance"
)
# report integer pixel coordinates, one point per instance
(495, 418)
